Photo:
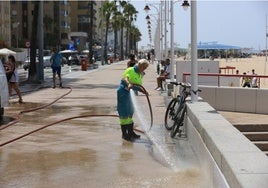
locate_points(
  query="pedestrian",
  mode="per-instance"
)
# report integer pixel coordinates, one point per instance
(245, 80)
(132, 61)
(164, 74)
(13, 77)
(56, 63)
(130, 77)
(254, 82)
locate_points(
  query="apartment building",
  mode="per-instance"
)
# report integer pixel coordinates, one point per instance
(56, 22)
(5, 38)
(60, 19)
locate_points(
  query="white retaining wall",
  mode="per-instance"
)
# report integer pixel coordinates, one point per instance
(241, 162)
(236, 99)
(205, 67)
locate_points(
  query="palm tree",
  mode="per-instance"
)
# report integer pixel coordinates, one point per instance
(130, 14)
(122, 21)
(116, 24)
(135, 37)
(92, 14)
(107, 11)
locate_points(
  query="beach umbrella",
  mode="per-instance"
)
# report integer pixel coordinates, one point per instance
(5, 51)
(68, 51)
(85, 51)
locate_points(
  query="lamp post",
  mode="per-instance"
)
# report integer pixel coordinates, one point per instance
(266, 36)
(17, 37)
(172, 42)
(194, 67)
(185, 7)
(158, 31)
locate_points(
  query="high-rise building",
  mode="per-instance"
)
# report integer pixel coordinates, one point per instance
(56, 22)
(60, 19)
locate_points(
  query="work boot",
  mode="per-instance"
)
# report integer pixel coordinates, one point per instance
(125, 134)
(132, 133)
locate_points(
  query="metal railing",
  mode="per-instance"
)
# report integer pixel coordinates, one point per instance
(218, 76)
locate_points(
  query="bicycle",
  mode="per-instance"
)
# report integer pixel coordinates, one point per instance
(176, 110)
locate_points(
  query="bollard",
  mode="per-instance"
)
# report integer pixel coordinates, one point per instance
(111, 59)
(84, 65)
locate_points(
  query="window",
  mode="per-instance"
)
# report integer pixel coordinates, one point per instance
(14, 12)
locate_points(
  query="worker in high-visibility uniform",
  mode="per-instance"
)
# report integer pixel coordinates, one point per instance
(130, 77)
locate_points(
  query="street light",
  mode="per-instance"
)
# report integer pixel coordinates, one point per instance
(185, 5)
(158, 31)
(194, 66)
(146, 8)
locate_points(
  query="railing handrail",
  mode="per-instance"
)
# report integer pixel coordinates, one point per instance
(184, 74)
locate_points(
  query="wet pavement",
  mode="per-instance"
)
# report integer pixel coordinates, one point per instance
(89, 151)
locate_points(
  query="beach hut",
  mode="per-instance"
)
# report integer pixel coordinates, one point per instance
(214, 49)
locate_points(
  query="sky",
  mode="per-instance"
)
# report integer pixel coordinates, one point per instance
(237, 23)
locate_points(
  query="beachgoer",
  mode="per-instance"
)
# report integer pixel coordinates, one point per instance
(164, 74)
(254, 83)
(130, 77)
(245, 80)
(13, 77)
(56, 63)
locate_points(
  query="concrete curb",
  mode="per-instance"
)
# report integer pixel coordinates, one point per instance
(241, 162)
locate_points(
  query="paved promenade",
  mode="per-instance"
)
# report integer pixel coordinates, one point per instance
(89, 151)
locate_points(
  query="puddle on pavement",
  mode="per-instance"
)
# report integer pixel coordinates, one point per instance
(84, 167)
(43, 115)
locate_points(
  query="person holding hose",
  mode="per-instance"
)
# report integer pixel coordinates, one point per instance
(131, 78)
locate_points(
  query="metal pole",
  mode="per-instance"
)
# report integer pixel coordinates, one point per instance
(161, 30)
(172, 41)
(266, 40)
(266, 35)
(194, 67)
(165, 32)
(18, 23)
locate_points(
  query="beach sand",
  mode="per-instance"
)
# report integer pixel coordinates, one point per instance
(258, 63)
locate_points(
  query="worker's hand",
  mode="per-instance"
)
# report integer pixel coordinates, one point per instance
(130, 86)
(145, 93)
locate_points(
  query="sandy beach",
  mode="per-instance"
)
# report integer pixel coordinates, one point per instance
(258, 63)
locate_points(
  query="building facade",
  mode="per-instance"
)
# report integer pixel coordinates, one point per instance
(5, 24)
(60, 19)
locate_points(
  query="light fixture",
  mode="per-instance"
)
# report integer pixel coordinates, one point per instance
(146, 8)
(147, 18)
(149, 23)
(185, 5)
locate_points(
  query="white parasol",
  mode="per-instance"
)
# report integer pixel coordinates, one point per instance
(5, 51)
